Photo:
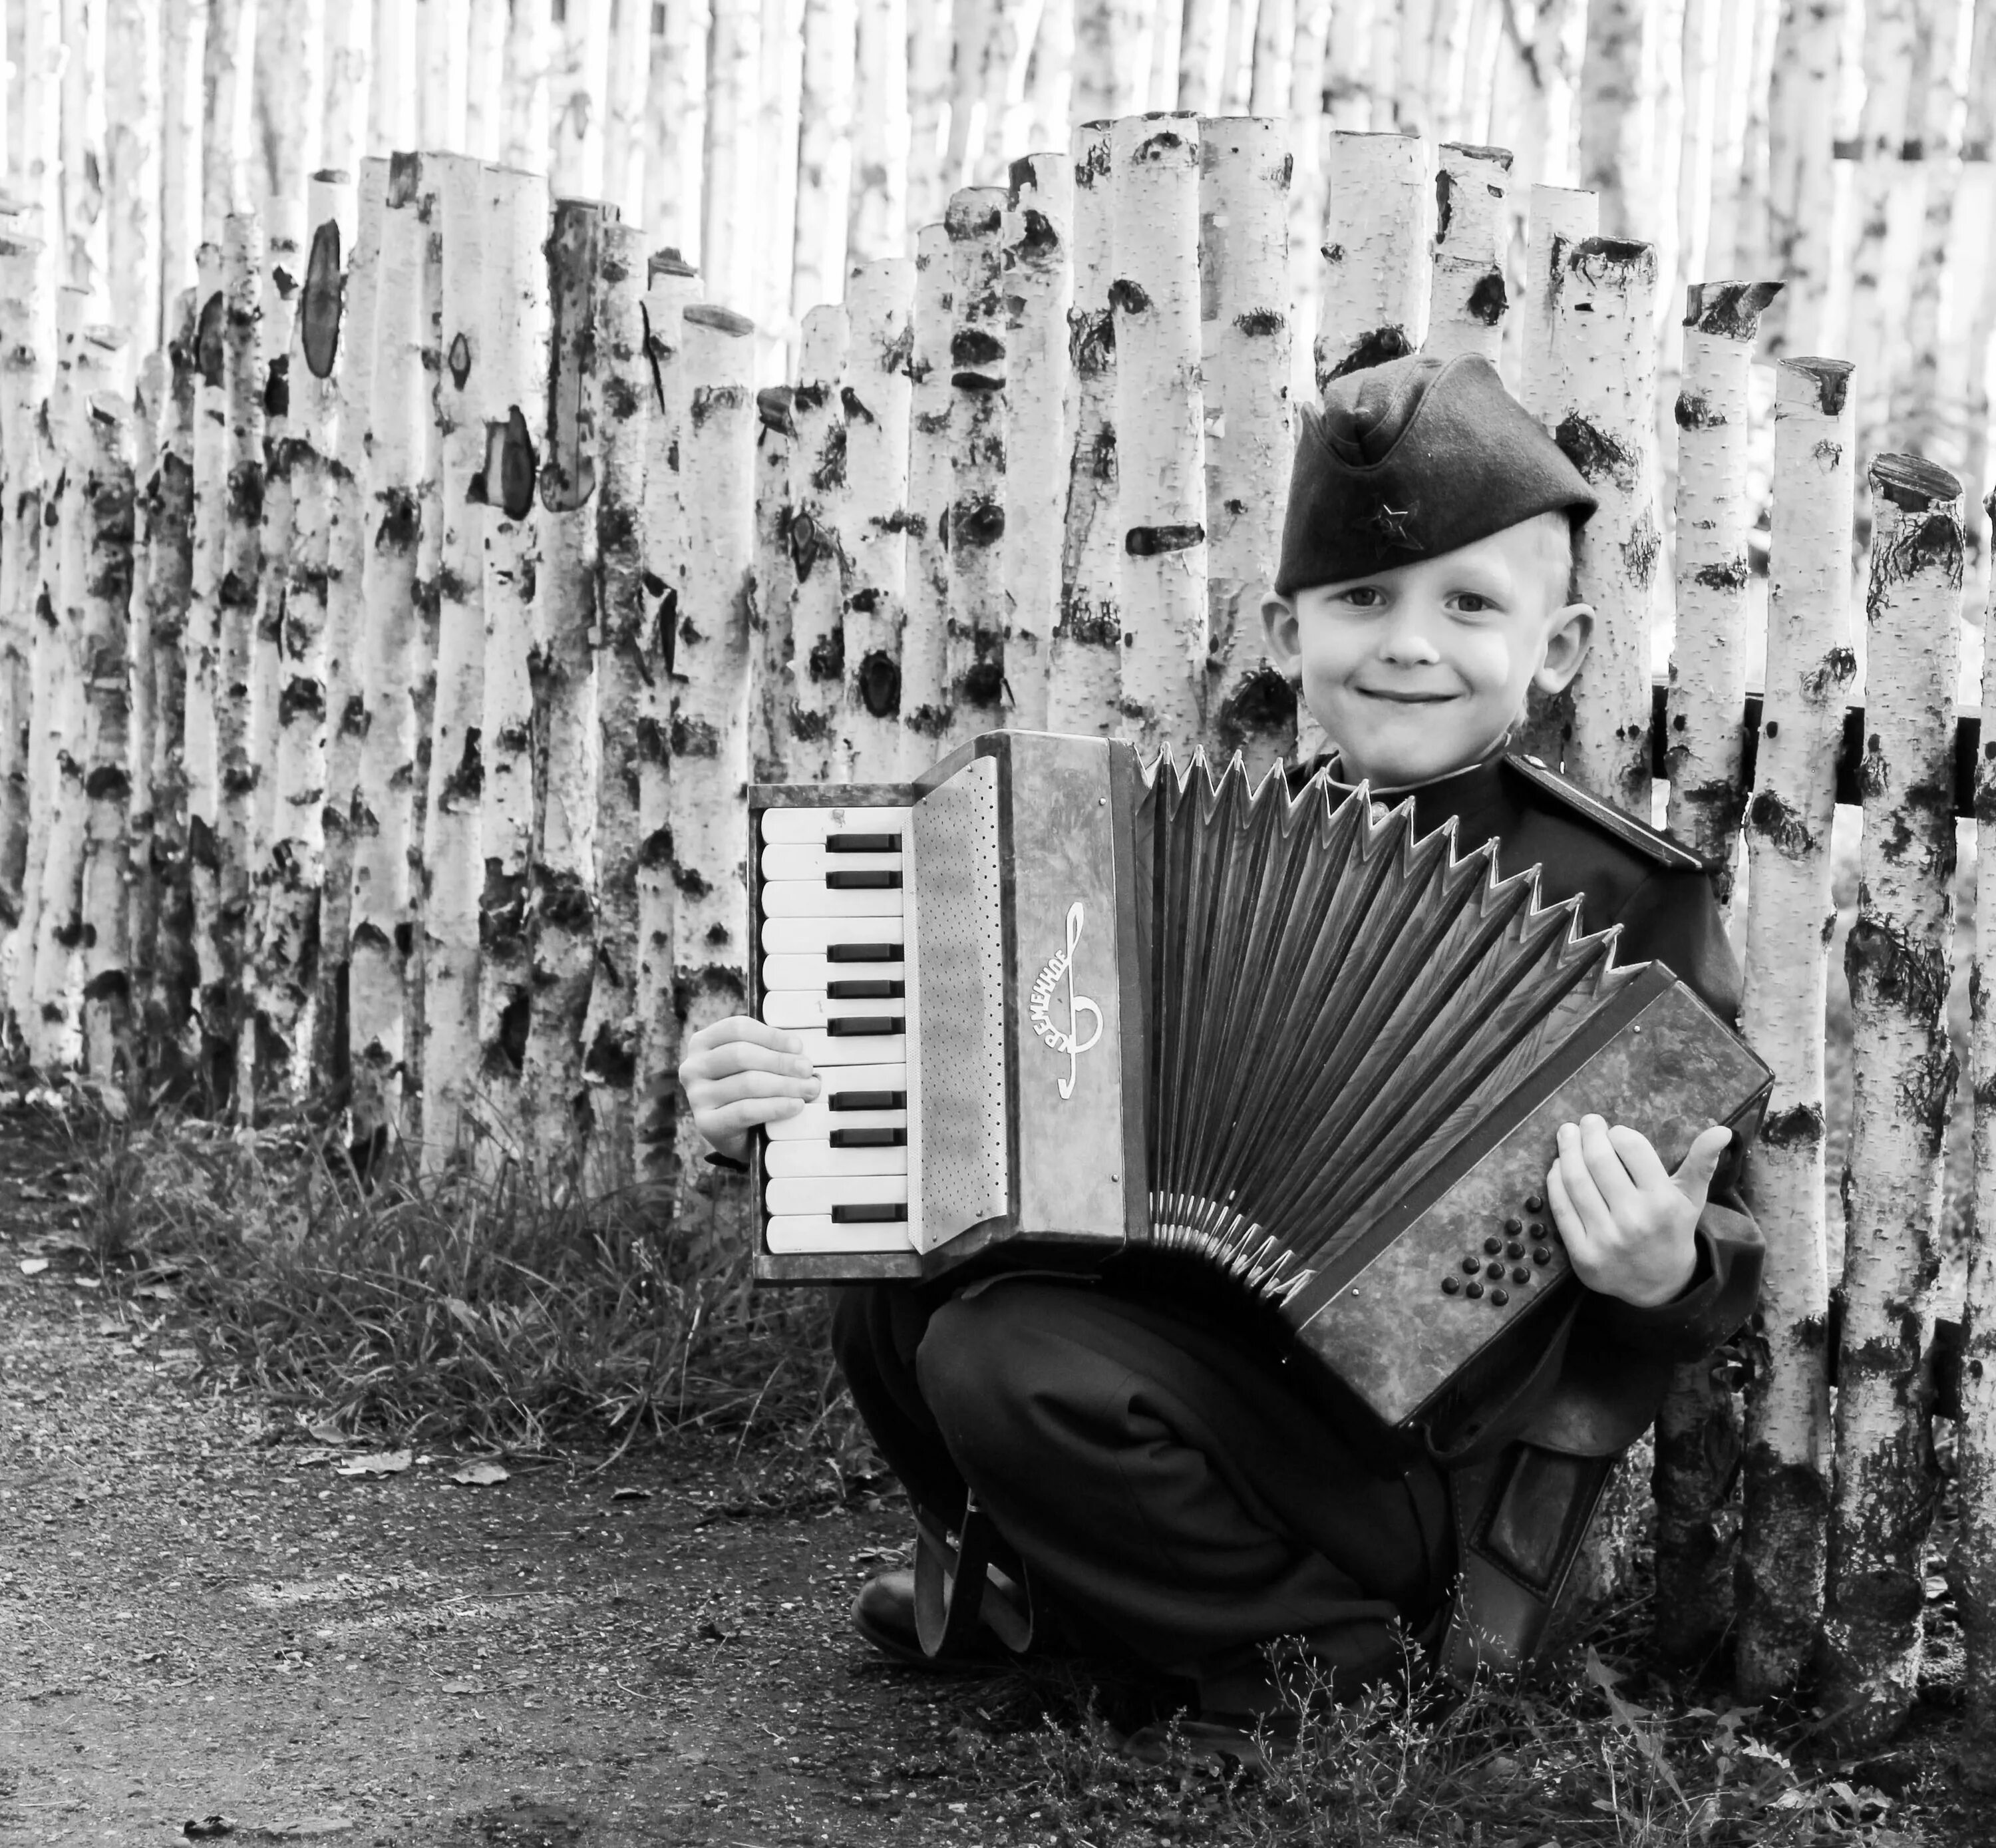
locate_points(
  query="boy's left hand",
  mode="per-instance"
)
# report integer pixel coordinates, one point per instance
(1629, 1223)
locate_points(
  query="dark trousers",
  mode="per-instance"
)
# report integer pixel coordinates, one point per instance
(1162, 1480)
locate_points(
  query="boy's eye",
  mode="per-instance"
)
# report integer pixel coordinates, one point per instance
(1472, 601)
(1363, 597)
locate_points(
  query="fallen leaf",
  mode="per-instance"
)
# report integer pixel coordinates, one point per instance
(33, 1267)
(631, 1495)
(479, 1475)
(207, 1826)
(377, 1463)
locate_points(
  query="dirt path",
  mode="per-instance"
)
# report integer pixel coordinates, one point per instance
(194, 1620)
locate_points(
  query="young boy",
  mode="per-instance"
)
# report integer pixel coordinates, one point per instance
(1172, 1493)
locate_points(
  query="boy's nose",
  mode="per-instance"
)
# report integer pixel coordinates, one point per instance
(1406, 641)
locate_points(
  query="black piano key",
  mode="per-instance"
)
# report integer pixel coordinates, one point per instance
(865, 1025)
(863, 878)
(869, 1138)
(868, 1214)
(864, 952)
(867, 1100)
(877, 987)
(862, 843)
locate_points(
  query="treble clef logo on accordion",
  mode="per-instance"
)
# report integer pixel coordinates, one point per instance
(1077, 1005)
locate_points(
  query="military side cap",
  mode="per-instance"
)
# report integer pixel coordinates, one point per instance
(1410, 459)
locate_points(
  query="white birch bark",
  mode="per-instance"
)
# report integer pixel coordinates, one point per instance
(182, 49)
(711, 944)
(1245, 366)
(530, 58)
(877, 219)
(729, 208)
(1560, 219)
(290, 110)
(1275, 47)
(1039, 278)
(141, 899)
(1309, 128)
(1167, 23)
(131, 172)
(350, 41)
(1160, 424)
(772, 223)
(1373, 291)
(924, 688)
(41, 123)
(824, 154)
(563, 906)
(1694, 187)
(1809, 666)
(1732, 68)
(1049, 78)
(1801, 118)
(1468, 303)
(1605, 349)
(1414, 89)
(974, 636)
(393, 108)
(387, 650)
(440, 87)
(877, 394)
(1925, 414)
(580, 86)
(677, 121)
(629, 86)
(515, 295)
(1976, 205)
(84, 161)
(1085, 658)
(484, 59)
(1614, 146)
(929, 48)
(228, 64)
(1202, 38)
(348, 538)
(1896, 960)
(774, 586)
(656, 1055)
(817, 676)
(1105, 75)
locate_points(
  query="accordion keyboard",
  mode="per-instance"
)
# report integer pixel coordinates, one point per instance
(835, 971)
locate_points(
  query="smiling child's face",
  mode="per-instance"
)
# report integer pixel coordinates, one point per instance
(1418, 671)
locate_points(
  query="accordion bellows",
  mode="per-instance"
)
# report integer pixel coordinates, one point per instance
(1277, 1041)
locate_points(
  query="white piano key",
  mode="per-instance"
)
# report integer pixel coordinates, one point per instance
(790, 1233)
(799, 1008)
(817, 1118)
(799, 1161)
(820, 1193)
(813, 936)
(818, 973)
(798, 862)
(822, 1050)
(813, 898)
(813, 824)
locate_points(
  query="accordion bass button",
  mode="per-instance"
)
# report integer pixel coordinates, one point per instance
(1500, 1297)
(1451, 1287)
(1513, 1249)
(1472, 1289)
(1472, 1265)
(1521, 1273)
(1493, 1270)
(1535, 1204)
(1513, 1227)
(1542, 1254)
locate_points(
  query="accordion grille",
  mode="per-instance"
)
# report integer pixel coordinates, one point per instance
(959, 973)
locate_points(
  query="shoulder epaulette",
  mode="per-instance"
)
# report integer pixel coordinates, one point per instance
(1652, 843)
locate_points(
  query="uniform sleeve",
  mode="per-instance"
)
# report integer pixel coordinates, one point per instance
(1672, 918)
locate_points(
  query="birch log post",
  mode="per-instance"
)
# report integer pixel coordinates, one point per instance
(673, 283)
(1160, 424)
(1897, 959)
(131, 173)
(1468, 301)
(816, 668)
(385, 646)
(1085, 656)
(1698, 1429)
(348, 536)
(924, 690)
(465, 402)
(1373, 295)
(773, 578)
(227, 65)
(974, 636)
(1972, 1566)
(876, 393)
(626, 665)
(141, 901)
(1039, 214)
(711, 944)
(1604, 344)
(1245, 364)
(562, 909)
(1876, 177)
(1560, 219)
(515, 293)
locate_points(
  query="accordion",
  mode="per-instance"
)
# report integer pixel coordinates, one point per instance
(1071, 1014)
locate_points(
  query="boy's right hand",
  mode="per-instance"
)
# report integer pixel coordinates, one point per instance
(738, 1073)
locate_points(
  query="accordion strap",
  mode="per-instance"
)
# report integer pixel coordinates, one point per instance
(959, 1584)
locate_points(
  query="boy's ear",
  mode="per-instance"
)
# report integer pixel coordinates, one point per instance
(1279, 624)
(1567, 640)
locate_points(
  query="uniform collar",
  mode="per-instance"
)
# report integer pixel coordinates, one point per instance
(1478, 799)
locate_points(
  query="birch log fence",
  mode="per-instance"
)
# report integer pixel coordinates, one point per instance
(379, 683)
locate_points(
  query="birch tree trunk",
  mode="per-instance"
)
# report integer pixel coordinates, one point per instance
(349, 39)
(228, 64)
(1275, 47)
(1732, 70)
(132, 168)
(1604, 346)
(878, 216)
(667, 555)
(1698, 1428)
(394, 108)
(729, 207)
(530, 56)
(1614, 151)
(182, 51)
(974, 645)
(1105, 75)
(1925, 419)
(928, 54)
(924, 688)
(677, 123)
(84, 153)
(1310, 82)
(1472, 245)
(467, 399)
(817, 676)
(1373, 297)
(630, 78)
(877, 395)
(1897, 959)
(824, 154)
(348, 545)
(515, 304)
(581, 79)
(439, 75)
(1039, 279)
(1882, 133)
(773, 168)
(563, 912)
(41, 123)
(710, 944)
(141, 899)
(1050, 78)
(1559, 219)
(387, 648)
(1801, 116)
(773, 574)
(485, 78)
(1245, 368)
(290, 108)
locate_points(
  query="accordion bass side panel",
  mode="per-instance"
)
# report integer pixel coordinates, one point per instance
(1471, 1252)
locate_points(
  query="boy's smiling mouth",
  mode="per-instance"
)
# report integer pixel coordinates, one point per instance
(1403, 699)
